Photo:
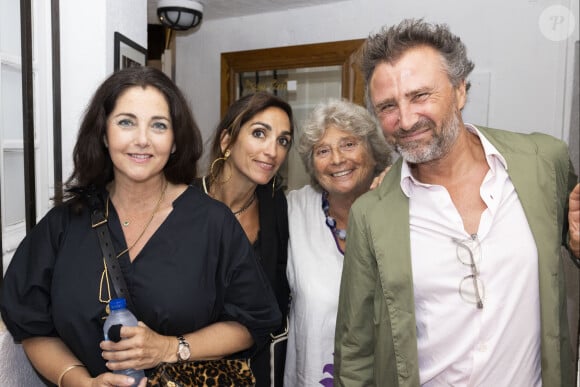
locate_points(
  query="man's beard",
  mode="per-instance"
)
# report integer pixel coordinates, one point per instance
(441, 141)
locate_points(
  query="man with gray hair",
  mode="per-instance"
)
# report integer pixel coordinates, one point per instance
(452, 272)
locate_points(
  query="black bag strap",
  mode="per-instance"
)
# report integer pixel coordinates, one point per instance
(99, 223)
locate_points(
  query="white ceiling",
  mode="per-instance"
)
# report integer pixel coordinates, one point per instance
(220, 9)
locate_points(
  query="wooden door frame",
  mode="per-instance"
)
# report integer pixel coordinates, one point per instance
(343, 53)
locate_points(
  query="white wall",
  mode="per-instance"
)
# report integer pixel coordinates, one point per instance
(43, 99)
(83, 64)
(129, 17)
(527, 72)
(87, 43)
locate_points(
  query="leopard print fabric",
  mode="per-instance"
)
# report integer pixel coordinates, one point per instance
(203, 373)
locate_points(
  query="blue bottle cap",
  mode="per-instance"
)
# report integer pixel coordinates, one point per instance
(117, 303)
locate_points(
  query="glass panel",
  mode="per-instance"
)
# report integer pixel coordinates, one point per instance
(302, 89)
(13, 186)
(10, 27)
(11, 103)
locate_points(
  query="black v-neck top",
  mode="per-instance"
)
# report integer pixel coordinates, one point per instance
(196, 269)
(271, 246)
(271, 251)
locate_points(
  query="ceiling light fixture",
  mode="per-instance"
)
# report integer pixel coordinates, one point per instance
(180, 15)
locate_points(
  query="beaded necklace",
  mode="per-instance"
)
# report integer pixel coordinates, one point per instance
(330, 221)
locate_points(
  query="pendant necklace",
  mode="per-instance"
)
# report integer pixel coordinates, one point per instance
(246, 206)
(105, 275)
(148, 222)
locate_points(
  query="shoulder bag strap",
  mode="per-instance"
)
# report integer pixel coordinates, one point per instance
(99, 224)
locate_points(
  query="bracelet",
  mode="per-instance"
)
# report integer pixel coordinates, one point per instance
(63, 373)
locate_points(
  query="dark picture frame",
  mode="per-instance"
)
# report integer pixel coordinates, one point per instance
(128, 53)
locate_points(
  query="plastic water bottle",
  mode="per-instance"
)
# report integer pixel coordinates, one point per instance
(123, 316)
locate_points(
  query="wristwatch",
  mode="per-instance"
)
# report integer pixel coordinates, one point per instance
(183, 352)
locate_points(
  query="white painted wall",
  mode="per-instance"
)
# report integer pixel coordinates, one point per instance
(87, 43)
(83, 64)
(43, 100)
(528, 73)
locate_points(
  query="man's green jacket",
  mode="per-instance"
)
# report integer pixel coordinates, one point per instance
(376, 342)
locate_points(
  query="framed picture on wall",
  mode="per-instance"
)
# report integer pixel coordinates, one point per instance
(128, 53)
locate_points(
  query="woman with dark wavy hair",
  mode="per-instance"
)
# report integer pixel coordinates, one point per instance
(189, 268)
(249, 145)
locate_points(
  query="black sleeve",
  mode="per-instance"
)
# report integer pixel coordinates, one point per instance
(25, 302)
(248, 298)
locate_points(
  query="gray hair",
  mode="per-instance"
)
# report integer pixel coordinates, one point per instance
(346, 116)
(391, 43)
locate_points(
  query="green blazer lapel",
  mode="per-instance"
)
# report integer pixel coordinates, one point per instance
(535, 182)
(534, 179)
(393, 254)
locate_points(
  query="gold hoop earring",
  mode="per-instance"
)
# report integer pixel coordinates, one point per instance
(273, 185)
(212, 175)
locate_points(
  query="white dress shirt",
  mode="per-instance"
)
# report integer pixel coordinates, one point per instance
(459, 344)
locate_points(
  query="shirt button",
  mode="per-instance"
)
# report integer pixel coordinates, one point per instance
(482, 347)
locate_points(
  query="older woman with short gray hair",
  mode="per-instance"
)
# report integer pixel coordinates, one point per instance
(343, 150)
(349, 117)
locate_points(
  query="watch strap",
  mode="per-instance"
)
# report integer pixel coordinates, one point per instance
(182, 343)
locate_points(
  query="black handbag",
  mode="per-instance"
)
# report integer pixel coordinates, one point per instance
(196, 373)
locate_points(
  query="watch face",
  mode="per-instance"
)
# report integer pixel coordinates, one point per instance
(184, 352)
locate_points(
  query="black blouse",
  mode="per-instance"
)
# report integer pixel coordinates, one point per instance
(271, 250)
(198, 268)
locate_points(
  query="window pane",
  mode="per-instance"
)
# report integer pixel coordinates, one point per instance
(11, 103)
(10, 27)
(300, 86)
(13, 186)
